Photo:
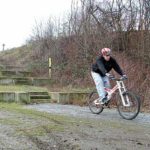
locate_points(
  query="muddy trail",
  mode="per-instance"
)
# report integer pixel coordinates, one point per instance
(68, 127)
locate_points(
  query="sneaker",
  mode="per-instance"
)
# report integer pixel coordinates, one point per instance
(104, 100)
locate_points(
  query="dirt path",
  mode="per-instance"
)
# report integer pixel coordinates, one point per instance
(84, 112)
(64, 127)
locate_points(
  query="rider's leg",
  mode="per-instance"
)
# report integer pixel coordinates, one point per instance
(106, 82)
(99, 84)
(107, 85)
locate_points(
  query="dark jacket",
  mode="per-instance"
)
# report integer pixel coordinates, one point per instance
(102, 66)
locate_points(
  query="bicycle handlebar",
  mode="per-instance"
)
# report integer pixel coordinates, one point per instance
(118, 79)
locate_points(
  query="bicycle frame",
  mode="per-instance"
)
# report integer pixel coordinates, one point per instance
(121, 87)
(128, 106)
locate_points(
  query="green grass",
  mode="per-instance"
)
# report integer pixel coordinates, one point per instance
(24, 88)
(75, 89)
(19, 108)
(9, 121)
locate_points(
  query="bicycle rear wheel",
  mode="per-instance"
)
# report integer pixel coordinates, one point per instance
(131, 111)
(95, 108)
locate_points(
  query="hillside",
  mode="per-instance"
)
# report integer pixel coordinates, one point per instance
(21, 58)
(138, 72)
(17, 56)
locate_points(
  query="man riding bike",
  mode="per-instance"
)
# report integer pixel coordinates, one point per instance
(104, 63)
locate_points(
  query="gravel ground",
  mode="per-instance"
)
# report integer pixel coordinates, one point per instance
(68, 127)
(84, 112)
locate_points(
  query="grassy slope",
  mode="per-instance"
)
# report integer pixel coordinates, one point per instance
(17, 56)
(24, 88)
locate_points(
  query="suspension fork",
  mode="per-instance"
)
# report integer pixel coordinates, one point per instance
(122, 90)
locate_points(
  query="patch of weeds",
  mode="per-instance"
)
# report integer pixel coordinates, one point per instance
(25, 88)
(52, 118)
(10, 121)
(40, 130)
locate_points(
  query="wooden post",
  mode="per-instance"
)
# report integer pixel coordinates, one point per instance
(3, 46)
(50, 67)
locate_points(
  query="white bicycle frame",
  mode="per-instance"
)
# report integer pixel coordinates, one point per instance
(121, 87)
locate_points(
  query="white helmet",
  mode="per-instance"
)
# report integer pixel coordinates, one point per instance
(106, 51)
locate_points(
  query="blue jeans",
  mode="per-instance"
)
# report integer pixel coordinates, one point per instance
(100, 83)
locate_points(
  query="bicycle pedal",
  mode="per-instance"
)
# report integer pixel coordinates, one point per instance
(106, 103)
(104, 106)
(108, 106)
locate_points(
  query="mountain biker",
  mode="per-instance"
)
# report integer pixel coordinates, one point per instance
(104, 63)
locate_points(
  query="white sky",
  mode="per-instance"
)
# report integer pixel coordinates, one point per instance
(17, 18)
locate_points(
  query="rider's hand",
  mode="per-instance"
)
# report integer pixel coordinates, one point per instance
(109, 75)
(124, 77)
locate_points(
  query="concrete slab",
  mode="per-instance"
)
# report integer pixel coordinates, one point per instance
(79, 98)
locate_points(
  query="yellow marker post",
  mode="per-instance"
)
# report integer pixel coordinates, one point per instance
(50, 67)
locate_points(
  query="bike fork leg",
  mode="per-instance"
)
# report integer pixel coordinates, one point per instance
(122, 90)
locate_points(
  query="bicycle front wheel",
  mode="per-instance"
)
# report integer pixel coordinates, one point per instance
(131, 111)
(95, 108)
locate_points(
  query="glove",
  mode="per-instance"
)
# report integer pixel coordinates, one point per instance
(124, 77)
(109, 75)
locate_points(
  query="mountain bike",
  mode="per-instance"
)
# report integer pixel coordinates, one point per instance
(128, 104)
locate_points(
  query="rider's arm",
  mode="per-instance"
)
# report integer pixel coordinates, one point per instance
(117, 68)
(101, 67)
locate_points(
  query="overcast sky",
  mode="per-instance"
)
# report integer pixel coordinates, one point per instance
(18, 18)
